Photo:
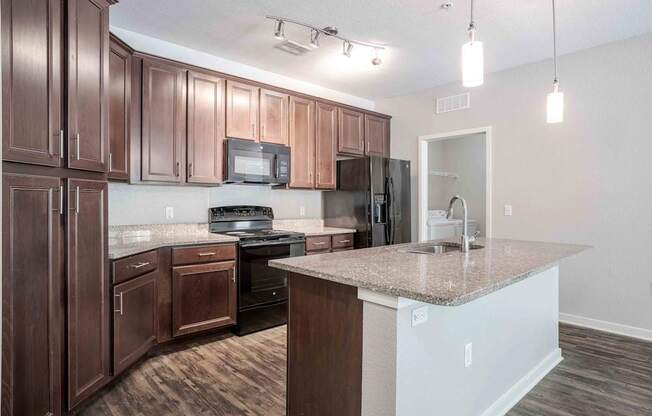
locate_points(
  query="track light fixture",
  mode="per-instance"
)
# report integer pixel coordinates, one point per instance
(329, 31)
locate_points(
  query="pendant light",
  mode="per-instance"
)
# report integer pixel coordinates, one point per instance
(472, 58)
(555, 102)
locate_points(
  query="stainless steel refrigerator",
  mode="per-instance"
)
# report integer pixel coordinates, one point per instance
(373, 197)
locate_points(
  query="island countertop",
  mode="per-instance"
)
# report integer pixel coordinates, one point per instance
(447, 279)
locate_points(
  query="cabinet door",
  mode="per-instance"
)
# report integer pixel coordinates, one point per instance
(164, 121)
(88, 289)
(134, 320)
(376, 136)
(205, 127)
(350, 139)
(241, 110)
(32, 296)
(31, 83)
(326, 146)
(302, 142)
(119, 108)
(273, 117)
(203, 297)
(88, 84)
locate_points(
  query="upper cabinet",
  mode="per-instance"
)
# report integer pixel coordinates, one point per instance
(163, 121)
(376, 131)
(302, 142)
(351, 132)
(273, 117)
(119, 108)
(205, 128)
(325, 145)
(32, 127)
(241, 110)
(88, 84)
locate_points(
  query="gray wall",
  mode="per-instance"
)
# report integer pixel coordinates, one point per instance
(587, 180)
(145, 204)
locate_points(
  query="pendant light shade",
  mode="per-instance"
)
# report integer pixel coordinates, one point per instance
(472, 58)
(555, 100)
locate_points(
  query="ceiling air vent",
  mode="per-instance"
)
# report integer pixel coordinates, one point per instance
(453, 103)
(292, 47)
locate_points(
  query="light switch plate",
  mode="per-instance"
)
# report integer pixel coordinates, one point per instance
(468, 355)
(302, 211)
(419, 315)
(169, 213)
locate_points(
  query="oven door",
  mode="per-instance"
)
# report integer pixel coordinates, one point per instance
(261, 284)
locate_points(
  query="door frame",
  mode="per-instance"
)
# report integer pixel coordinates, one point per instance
(422, 175)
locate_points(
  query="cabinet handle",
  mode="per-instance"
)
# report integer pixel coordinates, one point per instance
(139, 265)
(262, 132)
(344, 241)
(77, 201)
(233, 277)
(61, 200)
(176, 169)
(61, 136)
(77, 137)
(253, 130)
(190, 169)
(320, 243)
(119, 295)
(206, 254)
(110, 161)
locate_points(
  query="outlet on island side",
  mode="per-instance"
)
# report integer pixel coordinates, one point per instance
(302, 211)
(419, 315)
(169, 213)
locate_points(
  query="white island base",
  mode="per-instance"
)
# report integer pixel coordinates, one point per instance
(423, 369)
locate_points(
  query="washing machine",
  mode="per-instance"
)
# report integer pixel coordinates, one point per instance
(439, 227)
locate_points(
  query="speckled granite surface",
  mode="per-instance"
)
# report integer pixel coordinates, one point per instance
(442, 279)
(310, 227)
(126, 240)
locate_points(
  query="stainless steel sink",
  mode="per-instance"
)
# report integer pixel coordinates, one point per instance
(441, 248)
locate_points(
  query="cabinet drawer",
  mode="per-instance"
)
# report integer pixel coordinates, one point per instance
(202, 254)
(133, 266)
(320, 243)
(342, 241)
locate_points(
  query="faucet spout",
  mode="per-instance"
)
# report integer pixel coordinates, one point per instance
(465, 242)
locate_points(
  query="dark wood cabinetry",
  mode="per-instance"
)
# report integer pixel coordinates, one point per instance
(32, 295)
(88, 289)
(273, 117)
(376, 135)
(328, 243)
(302, 142)
(134, 320)
(203, 297)
(350, 139)
(325, 145)
(163, 121)
(119, 96)
(31, 85)
(88, 84)
(241, 110)
(205, 128)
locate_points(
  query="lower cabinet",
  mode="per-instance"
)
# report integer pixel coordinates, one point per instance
(204, 296)
(134, 320)
(328, 243)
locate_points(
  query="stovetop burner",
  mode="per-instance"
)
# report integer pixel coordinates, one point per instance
(251, 224)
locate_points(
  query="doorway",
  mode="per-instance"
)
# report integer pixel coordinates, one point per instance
(454, 163)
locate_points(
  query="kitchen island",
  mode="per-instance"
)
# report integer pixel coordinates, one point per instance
(387, 331)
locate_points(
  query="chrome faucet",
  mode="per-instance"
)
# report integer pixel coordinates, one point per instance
(466, 240)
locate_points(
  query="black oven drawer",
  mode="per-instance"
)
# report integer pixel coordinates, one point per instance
(262, 297)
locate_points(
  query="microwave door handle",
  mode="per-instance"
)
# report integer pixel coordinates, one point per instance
(276, 167)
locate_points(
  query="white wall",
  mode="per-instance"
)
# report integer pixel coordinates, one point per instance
(587, 180)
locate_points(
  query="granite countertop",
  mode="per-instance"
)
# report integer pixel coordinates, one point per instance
(310, 227)
(126, 240)
(443, 279)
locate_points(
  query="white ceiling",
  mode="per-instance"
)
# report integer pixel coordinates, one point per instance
(423, 40)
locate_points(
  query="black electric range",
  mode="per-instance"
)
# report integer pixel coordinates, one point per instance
(262, 290)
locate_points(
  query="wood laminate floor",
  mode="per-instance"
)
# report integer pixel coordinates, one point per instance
(602, 374)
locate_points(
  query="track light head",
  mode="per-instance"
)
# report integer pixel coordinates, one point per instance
(377, 59)
(347, 47)
(279, 30)
(314, 38)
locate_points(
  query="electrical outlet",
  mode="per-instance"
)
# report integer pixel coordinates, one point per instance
(468, 355)
(419, 315)
(508, 210)
(302, 211)
(169, 213)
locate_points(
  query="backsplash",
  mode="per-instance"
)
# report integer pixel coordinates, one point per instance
(146, 204)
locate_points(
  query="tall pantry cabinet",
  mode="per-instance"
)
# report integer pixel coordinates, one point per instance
(55, 297)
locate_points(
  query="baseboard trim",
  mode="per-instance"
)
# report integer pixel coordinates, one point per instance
(524, 385)
(611, 327)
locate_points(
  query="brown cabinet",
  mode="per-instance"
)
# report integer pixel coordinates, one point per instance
(205, 128)
(133, 266)
(119, 97)
(376, 135)
(163, 121)
(88, 84)
(350, 139)
(134, 320)
(88, 297)
(32, 295)
(32, 130)
(241, 110)
(302, 142)
(203, 254)
(325, 146)
(328, 243)
(273, 117)
(203, 297)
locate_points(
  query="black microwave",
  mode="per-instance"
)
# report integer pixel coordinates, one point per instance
(262, 163)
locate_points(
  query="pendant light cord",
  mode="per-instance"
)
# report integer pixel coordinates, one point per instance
(554, 40)
(471, 28)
